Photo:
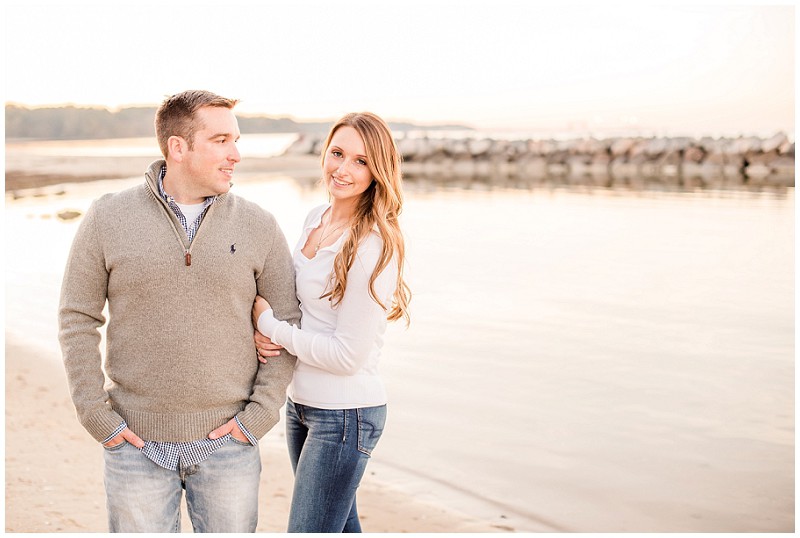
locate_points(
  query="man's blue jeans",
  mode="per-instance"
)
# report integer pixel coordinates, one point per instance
(221, 491)
(329, 450)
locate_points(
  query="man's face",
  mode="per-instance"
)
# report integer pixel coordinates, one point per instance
(210, 163)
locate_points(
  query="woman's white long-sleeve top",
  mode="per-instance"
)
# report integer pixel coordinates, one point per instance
(338, 349)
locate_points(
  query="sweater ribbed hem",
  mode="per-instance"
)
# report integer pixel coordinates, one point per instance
(177, 427)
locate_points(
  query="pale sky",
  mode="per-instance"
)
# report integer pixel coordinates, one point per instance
(722, 68)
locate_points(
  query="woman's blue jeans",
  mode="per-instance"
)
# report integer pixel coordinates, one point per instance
(329, 450)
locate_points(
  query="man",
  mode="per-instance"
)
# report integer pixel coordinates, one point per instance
(179, 261)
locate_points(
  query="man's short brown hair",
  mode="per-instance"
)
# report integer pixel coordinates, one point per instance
(176, 115)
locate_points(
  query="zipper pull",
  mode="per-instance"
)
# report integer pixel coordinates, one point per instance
(188, 257)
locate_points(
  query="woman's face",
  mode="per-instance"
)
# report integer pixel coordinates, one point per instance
(345, 168)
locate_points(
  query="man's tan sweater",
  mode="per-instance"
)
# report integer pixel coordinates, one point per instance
(180, 359)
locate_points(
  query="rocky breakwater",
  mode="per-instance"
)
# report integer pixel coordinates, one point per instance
(679, 161)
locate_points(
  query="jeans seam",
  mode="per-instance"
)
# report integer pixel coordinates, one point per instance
(360, 444)
(329, 461)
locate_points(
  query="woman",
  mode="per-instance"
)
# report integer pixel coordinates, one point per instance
(349, 274)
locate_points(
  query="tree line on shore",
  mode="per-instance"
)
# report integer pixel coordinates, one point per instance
(89, 123)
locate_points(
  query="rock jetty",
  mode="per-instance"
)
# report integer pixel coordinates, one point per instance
(709, 162)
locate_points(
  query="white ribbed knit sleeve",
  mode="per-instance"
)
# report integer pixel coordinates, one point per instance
(358, 320)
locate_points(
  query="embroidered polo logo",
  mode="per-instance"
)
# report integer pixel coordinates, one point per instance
(233, 248)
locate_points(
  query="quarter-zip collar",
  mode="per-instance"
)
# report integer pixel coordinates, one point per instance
(154, 179)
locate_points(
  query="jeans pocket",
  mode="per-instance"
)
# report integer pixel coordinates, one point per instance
(115, 447)
(240, 443)
(371, 421)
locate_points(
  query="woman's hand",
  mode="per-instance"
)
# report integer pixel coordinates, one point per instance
(265, 347)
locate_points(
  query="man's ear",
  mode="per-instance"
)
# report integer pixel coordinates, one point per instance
(177, 147)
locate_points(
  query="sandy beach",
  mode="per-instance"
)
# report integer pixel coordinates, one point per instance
(56, 485)
(54, 480)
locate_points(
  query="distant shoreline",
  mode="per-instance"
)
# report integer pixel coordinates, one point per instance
(27, 170)
(71, 122)
(626, 161)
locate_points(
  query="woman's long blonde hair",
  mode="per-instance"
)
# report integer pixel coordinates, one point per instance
(379, 206)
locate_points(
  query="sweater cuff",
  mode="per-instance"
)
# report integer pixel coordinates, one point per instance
(257, 419)
(102, 424)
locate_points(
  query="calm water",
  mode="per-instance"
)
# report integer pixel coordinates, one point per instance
(577, 360)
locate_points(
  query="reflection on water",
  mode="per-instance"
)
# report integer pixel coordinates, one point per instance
(580, 358)
(719, 186)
